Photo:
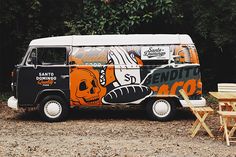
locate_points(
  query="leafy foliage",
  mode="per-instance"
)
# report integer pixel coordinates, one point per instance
(117, 17)
(4, 96)
(216, 20)
(211, 23)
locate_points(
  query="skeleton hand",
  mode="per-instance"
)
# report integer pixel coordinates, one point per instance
(127, 70)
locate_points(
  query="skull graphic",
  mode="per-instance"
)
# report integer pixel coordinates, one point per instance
(87, 90)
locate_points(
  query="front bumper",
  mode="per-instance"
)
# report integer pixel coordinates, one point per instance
(13, 103)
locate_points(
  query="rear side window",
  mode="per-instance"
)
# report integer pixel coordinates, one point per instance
(185, 54)
(51, 56)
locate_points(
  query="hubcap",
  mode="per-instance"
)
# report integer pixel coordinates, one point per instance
(52, 109)
(161, 108)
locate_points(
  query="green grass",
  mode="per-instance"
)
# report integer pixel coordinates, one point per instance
(5, 95)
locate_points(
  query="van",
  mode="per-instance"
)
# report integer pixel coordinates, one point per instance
(59, 73)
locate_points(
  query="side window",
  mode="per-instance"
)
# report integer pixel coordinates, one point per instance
(185, 54)
(51, 56)
(94, 56)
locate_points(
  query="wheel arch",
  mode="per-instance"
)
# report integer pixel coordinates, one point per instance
(172, 98)
(47, 92)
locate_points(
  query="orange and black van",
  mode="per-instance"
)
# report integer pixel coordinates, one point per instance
(58, 73)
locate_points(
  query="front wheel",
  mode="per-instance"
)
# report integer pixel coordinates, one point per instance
(53, 109)
(161, 109)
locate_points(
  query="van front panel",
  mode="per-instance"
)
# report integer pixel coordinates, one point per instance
(50, 73)
(130, 74)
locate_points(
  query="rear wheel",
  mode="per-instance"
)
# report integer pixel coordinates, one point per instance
(161, 109)
(53, 109)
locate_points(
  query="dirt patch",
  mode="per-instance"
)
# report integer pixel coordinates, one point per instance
(107, 131)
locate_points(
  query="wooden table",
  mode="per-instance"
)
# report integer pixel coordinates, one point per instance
(227, 99)
(227, 102)
(227, 111)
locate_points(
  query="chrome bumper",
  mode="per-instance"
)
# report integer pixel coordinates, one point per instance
(12, 103)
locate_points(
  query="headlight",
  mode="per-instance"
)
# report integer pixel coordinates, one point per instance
(12, 86)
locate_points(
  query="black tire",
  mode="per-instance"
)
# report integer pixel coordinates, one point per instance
(53, 109)
(161, 114)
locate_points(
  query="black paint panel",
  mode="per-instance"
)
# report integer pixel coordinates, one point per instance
(28, 88)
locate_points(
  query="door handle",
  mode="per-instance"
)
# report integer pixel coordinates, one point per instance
(64, 76)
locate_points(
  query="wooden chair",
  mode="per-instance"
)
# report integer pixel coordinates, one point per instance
(201, 113)
(226, 87)
(229, 116)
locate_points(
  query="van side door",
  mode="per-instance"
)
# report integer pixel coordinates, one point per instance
(45, 70)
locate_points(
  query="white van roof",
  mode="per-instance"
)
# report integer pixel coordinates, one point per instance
(106, 40)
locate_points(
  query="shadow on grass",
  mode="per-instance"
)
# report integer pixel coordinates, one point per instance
(105, 113)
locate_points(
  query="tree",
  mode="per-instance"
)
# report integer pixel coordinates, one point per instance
(212, 25)
(106, 17)
(24, 20)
